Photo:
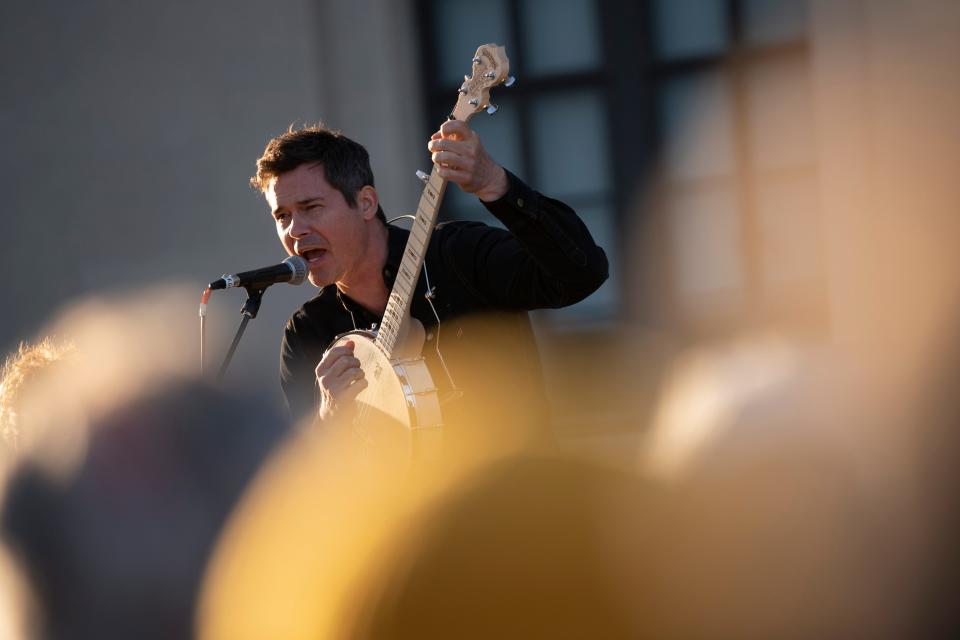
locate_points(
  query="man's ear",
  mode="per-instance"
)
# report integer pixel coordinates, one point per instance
(368, 202)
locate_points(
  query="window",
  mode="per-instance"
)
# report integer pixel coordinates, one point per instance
(551, 128)
(691, 120)
(735, 125)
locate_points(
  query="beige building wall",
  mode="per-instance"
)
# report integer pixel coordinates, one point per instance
(129, 131)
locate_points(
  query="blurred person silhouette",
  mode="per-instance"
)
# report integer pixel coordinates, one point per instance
(127, 469)
(523, 549)
(116, 548)
(778, 543)
(791, 513)
(514, 548)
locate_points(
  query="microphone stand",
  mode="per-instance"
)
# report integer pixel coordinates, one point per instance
(248, 311)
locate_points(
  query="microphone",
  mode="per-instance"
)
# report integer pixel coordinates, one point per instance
(292, 270)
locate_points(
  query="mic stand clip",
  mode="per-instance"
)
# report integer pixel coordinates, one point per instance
(249, 311)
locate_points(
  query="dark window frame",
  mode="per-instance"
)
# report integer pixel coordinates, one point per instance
(733, 63)
(630, 80)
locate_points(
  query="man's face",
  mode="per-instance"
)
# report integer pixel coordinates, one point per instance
(314, 222)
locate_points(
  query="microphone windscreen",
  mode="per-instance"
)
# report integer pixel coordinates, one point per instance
(299, 267)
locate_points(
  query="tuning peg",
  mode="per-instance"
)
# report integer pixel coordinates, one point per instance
(509, 81)
(476, 60)
(490, 74)
(492, 108)
(474, 101)
(468, 78)
(424, 177)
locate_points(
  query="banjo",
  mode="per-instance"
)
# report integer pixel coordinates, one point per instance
(399, 411)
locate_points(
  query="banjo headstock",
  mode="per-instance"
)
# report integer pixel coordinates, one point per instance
(490, 68)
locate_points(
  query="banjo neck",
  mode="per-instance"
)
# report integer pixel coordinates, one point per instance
(397, 314)
(490, 68)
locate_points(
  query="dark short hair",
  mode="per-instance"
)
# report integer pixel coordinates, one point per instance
(345, 163)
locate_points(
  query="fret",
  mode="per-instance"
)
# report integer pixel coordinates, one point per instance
(426, 211)
(405, 289)
(390, 334)
(420, 237)
(435, 180)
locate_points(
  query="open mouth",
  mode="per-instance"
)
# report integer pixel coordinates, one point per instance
(313, 255)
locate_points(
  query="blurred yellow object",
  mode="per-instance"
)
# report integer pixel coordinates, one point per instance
(326, 546)
(315, 520)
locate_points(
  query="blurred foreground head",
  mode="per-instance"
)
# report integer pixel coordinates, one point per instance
(118, 348)
(515, 548)
(128, 471)
(117, 548)
(544, 546)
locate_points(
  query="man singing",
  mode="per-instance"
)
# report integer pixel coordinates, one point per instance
(320, 189)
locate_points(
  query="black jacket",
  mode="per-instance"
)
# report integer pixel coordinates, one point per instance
(547, 259)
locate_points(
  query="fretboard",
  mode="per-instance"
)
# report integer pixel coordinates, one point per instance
(398, 305)
(490, 67)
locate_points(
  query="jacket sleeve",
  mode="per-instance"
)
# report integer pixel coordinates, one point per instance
(545, 259)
